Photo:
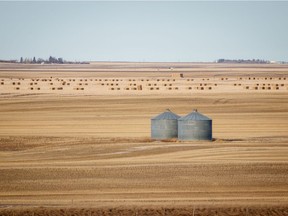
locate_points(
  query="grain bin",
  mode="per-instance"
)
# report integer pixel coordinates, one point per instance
(195, 126)
(164, 125)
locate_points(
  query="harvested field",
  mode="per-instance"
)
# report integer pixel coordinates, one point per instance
(91, 154)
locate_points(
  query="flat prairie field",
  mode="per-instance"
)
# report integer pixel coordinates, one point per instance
(75, 140)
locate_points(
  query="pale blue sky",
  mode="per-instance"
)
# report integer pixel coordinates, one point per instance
(144, 31)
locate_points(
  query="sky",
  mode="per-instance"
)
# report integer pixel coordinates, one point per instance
(163, 31)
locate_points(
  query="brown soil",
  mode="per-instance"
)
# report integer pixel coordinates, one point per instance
(92, 155)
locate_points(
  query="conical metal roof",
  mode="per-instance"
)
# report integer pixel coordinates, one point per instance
(194, 116)
(166, 115)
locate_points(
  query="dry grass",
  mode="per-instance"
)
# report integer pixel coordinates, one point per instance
(92, 155)
(173, 211)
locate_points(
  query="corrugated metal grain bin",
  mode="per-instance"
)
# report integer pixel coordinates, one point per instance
(165, 125)
(195, 126)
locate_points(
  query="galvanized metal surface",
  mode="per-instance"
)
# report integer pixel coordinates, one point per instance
(167, 115)
(195, 126)
(164, 126)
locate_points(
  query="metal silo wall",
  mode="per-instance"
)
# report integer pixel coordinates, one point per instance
(195, 130)
(164, 129)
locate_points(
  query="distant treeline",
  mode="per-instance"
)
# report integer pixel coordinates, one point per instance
(243, 61)
(50, 60)
(8, 61)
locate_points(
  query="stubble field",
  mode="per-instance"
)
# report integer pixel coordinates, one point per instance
(91, 154)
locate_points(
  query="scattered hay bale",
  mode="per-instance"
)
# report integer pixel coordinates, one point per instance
(2, 83)
(210, 88)
(247, 87)
(60, 88)
(17, 88)
(139, 87)
(178, 75)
